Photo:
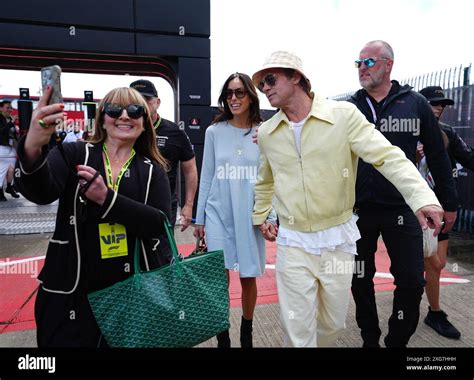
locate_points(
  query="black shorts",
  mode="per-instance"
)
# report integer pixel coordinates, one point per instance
(443, 236)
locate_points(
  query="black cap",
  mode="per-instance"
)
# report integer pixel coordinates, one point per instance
(435, 94)
(3, 101)
(144, 87)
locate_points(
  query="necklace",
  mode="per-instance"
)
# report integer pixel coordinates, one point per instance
(238, 139)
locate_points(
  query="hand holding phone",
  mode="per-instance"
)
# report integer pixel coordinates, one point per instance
(51, 76)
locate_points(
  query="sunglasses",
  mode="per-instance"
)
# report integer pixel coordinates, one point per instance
(239, 93)
(369, 62)
(135, 111)
(435, 104)
(269, 79)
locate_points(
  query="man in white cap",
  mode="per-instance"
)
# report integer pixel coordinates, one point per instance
(309, 155)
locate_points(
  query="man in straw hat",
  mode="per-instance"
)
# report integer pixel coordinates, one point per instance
(309, 155)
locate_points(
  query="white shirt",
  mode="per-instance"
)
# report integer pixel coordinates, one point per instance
(342, 237)
(297, 129)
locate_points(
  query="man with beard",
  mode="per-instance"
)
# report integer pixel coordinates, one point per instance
(404, 117)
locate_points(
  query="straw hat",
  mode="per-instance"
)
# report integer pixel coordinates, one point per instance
(282, 60)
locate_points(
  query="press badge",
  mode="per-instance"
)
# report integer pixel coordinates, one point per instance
(113, 240)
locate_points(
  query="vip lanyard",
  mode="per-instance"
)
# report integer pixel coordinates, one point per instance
(108, 169)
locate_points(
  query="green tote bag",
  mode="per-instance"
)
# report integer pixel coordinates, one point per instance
(179, 305)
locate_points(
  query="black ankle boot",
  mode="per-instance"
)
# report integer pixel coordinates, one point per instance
(246, 333)
(223, 339)
(10, 190)
(2, 196)
(438, 321)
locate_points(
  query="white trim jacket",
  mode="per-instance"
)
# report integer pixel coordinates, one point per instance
(73, 260)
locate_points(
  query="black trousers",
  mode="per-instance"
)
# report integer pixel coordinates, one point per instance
(402, 235)
(66, 320)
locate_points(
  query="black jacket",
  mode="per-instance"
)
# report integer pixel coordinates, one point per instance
(7, 131)
(73, 259)
(458, 150)
(173, 143)
(404, 118)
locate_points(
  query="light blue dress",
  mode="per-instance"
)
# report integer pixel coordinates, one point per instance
(226, 198)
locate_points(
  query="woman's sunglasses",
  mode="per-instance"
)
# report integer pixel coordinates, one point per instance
(239, 93)
(134, 111)
(269, 79)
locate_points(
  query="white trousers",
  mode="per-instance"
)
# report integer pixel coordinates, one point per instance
(7, 159)
(314, 293)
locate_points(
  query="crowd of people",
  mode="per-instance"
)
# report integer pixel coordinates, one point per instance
(8, 142)
(322, 179)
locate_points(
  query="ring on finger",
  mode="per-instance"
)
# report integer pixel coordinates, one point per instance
(42, 124)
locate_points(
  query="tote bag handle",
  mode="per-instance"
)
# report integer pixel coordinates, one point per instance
(174, 249)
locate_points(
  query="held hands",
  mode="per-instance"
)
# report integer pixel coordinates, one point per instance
(199, 231)
(269, 231)
(92, 184)
(255, 136)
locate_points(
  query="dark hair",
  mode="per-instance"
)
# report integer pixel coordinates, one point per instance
(146, 142)
(445, 137)
(3, 102)
(304, 82)
(254, 109)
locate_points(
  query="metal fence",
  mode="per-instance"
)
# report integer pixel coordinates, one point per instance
(456, 81)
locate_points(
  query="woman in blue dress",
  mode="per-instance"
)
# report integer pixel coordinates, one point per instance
(226, 193)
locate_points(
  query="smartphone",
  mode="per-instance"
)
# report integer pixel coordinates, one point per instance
(51, 76)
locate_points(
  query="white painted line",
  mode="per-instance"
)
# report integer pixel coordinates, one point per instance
(7, 263)
(383, 275)
(442, 279)
(454, 280)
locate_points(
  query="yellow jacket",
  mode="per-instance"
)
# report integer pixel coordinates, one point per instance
(317, 190)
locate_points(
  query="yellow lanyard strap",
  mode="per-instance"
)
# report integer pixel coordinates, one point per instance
(108, 169)
(158, 123)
